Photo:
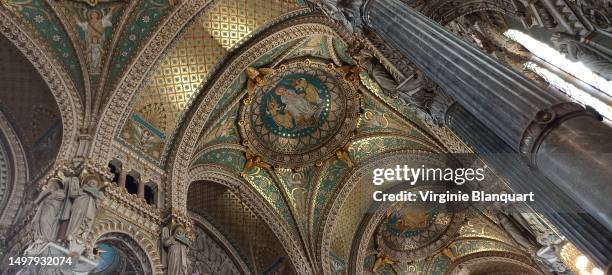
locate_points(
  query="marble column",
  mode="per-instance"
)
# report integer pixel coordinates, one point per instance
(122, 178)
(141, 189)
(573, 222)
(566, 143)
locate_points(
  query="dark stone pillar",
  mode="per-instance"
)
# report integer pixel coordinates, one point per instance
(571, 148)
(122, 178)
(573, 222)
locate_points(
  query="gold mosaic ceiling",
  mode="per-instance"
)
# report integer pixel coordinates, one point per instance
(165, 98)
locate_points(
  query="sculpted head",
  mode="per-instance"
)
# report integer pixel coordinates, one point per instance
(179, 230)
(61, 175)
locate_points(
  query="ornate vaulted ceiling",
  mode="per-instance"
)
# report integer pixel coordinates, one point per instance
(259, 127)
(166, 96)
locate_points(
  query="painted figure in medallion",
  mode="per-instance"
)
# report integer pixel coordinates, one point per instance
(303, 112)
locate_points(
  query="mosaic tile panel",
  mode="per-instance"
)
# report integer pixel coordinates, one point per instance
(198, 50)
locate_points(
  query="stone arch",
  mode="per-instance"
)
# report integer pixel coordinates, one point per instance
(126, 255)
(446, 11)
(185, 147)
(125, 91)
(332, 212)
(14, 173)
(62, 88)
(288, 238)
(146, 248)
(221, 240)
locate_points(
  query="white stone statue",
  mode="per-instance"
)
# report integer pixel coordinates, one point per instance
(49, 201)
(347, 13)
(84, 207)
(176, 245)
(410, 91)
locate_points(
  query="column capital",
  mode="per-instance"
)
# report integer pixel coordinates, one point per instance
(546, 121)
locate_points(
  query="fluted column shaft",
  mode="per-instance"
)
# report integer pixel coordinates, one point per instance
(574, 223)
(567, 144)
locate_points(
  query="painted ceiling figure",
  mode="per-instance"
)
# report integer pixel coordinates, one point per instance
(94, 26)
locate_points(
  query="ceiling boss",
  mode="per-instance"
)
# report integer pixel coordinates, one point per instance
(302, 112)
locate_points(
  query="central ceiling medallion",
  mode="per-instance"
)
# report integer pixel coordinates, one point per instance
(302, 114)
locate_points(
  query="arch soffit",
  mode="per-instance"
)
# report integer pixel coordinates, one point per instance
(19, 176)
(186, 143)
(57, 79)
(218, 236)
(288, 238)
(125, 92)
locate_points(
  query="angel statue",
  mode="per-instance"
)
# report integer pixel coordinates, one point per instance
(346, 12)
(595, 59)
(84, 206)
(410, 91)
(49, 201)
(176, 246)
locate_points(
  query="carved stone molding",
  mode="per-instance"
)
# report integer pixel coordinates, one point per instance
(448, 10)
(107, 224)
(187, 139)
(221, 240)
(133, 161)
(58, 80)
(287, 237)
(16, 173)
(545, 121)
(134, 209)
(125, 92)
(332, 211)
